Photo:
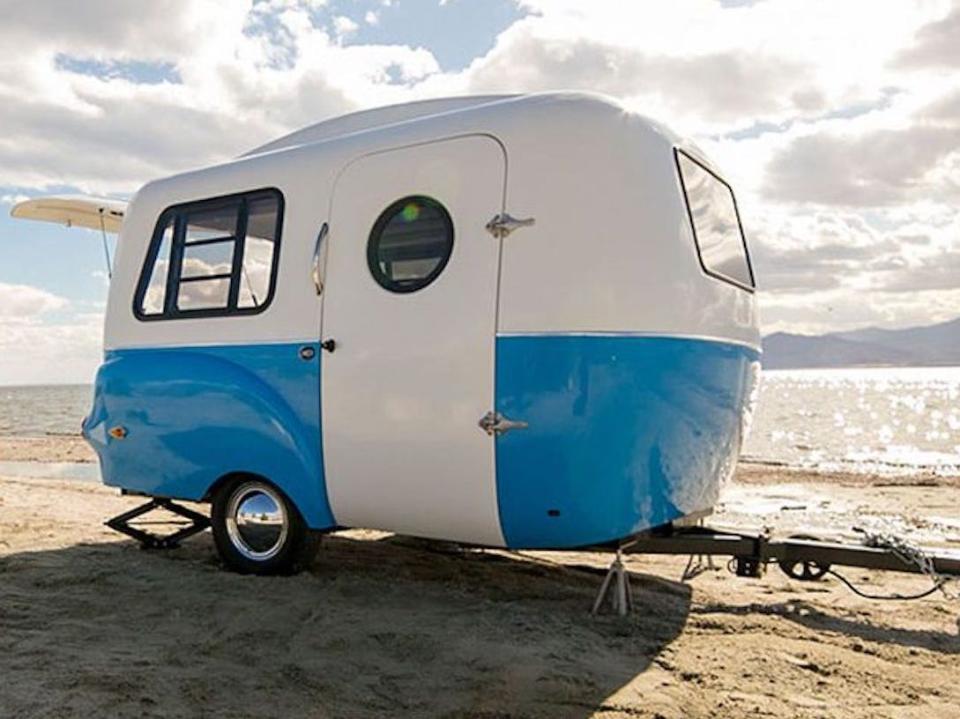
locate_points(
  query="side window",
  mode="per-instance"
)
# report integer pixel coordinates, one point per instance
(213, 257)
(151, 303)
(716, 223)
(259, 251)
(410, 244)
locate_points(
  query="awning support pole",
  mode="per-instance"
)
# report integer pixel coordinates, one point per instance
(106, 245)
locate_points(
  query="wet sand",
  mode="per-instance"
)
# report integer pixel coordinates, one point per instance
(384, 626)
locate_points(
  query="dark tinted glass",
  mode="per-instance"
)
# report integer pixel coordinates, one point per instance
(410, 244)
(204, 224)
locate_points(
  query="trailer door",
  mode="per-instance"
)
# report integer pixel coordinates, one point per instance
(410, 308)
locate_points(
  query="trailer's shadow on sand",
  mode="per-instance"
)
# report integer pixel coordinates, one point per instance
(376, 628)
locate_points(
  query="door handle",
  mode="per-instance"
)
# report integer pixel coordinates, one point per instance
(495, 424)
(315, 272)
(503, 224)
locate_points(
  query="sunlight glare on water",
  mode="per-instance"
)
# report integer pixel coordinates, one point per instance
(887, 420)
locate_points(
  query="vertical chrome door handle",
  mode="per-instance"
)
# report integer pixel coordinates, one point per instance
(316, 272)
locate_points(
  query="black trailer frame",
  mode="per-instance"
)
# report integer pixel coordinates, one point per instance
(803, 558)
(752, 552)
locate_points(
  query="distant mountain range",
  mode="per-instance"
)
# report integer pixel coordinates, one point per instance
(933, 345)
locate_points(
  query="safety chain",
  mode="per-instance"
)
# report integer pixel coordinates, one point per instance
(908, 553)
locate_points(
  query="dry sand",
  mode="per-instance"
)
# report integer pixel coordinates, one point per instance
(385, 627)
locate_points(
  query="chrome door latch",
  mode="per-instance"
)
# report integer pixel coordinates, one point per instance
(316, 272)
(494, 423)
(502, 225)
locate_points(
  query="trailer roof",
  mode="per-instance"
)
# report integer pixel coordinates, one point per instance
(373, 118)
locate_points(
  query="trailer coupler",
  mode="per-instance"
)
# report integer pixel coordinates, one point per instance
(196, 523)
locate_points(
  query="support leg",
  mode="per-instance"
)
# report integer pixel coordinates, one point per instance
(616, 586)
(697, 564)
(196, 523)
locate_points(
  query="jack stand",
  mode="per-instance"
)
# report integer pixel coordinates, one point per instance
(616, 585)
(697, 565)
(197, 524)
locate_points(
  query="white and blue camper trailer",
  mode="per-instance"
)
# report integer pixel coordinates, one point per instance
(521, 321)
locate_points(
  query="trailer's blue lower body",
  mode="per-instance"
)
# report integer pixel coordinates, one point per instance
(625, 432)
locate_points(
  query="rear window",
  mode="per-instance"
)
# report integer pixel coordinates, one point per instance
(212, 257)
(716, 223)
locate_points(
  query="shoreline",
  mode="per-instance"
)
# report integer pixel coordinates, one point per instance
(51, 448)
(764, 472)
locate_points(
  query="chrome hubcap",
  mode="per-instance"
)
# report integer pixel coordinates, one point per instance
(257, 522)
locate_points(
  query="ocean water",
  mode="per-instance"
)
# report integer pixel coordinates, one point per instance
(896, 420)
(885, 420)
(41, 410)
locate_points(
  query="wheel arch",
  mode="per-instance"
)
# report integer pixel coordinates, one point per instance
(197, 417)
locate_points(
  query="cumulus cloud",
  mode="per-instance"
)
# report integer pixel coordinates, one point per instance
(24, 304)
(722, 86)
(936, 44)
(233, 75)
(945, 109)
(66, 351)
(42, 337)
(876, 168)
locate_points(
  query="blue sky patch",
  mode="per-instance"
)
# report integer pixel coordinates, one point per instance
(455, 32)
(61, 260)
(139, 71)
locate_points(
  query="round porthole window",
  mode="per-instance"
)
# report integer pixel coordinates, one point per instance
(410, 244)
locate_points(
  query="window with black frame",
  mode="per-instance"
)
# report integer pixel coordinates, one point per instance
(213, 257)
(410, 244)
(716, 223)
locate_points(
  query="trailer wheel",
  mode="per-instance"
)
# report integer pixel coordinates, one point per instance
(804, 570)
(257, 530)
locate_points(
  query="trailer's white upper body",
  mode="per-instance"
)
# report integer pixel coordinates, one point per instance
(611, 249)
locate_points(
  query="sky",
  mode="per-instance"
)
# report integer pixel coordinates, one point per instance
(837, 122)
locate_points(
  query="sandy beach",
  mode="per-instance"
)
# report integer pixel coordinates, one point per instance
(384, 626)
(65, 448)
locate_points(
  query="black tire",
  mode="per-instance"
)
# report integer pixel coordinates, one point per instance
(258, 530)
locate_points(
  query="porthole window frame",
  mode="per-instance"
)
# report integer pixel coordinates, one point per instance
(752, 287)
(177, 213)
(376, 233)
